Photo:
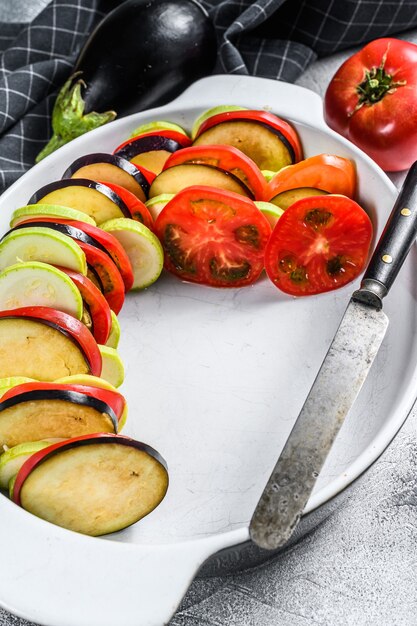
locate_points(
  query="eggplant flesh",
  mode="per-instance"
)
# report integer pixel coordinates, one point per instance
(82, 194)
(145, 53)
(287, 198)
(38, 350)
(95, 489)
(265, 145)
(46, 413)
(176, 178)
(109, 169)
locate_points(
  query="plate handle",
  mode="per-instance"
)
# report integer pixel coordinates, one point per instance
(287, 100)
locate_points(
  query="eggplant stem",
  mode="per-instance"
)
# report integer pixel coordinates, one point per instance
(68, 118)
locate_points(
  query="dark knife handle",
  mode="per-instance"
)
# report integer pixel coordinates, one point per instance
(393, 246)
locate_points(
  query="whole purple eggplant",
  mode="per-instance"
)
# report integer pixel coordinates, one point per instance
(141, 55)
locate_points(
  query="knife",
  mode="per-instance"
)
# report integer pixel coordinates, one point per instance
(338, 382)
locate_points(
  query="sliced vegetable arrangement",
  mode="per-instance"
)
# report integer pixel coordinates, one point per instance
(216, 210)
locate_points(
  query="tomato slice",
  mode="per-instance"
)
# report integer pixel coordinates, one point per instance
(108, 274)
(113, 247)
(320, 243)
(327, 172)
(213, 237)
(138, 210)
(97, 305)
(289, 134)
(113, 399)
(226, 158)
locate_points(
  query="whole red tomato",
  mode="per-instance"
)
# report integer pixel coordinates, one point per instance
(372, 100)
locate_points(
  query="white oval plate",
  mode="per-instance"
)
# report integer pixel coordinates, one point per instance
(214, 381)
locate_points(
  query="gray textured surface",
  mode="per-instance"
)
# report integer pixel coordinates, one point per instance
(359, 566)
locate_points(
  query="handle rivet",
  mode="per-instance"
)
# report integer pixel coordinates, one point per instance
(387, 258)
(406, 212)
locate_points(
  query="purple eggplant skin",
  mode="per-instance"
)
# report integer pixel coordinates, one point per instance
(65, 229)
(80, 182)
(145, 53)
(75, 397)
(109, 438)
(147, 144)
(112, 159)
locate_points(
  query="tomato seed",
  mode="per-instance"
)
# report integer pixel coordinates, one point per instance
(287, 264)
(317, 218)
(229, 272)
(299, 275)
(335, 265)
(248, 234)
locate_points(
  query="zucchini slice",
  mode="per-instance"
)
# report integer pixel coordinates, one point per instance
(143, 249)
(93, 485)
(13, 381)
(113, 369)
(179, 177)
(50, 211)
(13, 458)
(44, 413)
(271, 211)
(114, 337)
(157, 125)
(39, 284)
(157, 203)
(41, 244)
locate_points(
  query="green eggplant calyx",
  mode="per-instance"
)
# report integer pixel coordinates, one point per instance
(68, 118)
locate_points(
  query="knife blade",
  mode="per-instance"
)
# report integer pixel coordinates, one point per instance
(338, 382)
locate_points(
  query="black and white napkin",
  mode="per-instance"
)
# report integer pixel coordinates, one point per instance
(272, 38)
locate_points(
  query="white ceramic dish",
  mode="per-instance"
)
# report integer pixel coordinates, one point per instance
(214, 380)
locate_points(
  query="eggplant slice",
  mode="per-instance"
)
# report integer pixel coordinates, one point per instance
(88, 196)
(39, 350)
(45, 413)
(149, 151)
(263, 144)
(287, 198)
(93, 488)
(177, 178)
(110, 168)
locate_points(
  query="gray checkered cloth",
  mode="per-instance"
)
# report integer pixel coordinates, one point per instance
(271, 38)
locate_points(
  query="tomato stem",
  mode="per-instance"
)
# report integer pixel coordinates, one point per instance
(375, 85)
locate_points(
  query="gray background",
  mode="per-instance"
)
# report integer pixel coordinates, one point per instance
(359, 567)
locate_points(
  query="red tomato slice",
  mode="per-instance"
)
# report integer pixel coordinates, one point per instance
(113, 399)
(328, 172)
(213, 237)
(97, 304)
(110, 277)
(138, 210)
(320, 243)
(150, 176)
(68, 325)
(263, 117)
(226, 158)
(183, 140)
